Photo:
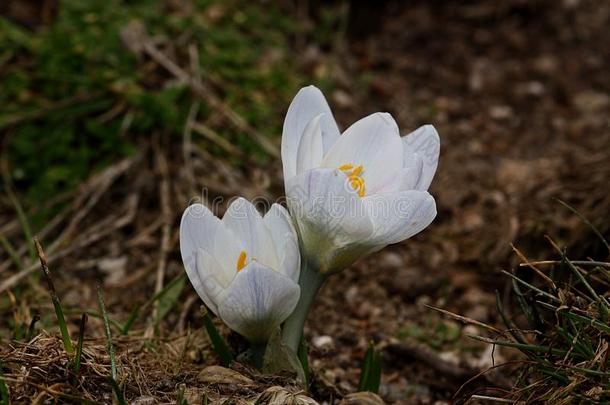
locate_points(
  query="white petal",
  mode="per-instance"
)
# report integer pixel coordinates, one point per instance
(258, 301)
(290, 258)
(307, 104)
(413, 160)
(311, 151)
(247, 224)
(374, 142)
(278, 222)
(426, 143)
(227, 249)
(197, 230)
(328, 214)
(405, 179)
(206, 280)
(398, 216)
(410, 158)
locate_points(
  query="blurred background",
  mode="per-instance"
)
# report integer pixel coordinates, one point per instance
(115, 114)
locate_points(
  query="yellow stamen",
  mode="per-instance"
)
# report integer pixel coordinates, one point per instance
(354, 176)
(241, 261)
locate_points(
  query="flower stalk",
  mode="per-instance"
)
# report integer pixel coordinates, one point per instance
(310, 281)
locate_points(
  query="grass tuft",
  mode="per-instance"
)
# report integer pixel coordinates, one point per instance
(566, 343)
(79, 346)
(61, 320)
(108, 332)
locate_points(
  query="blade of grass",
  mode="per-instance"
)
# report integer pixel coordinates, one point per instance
(3, 389)
(520, 346)
(599, 299)
(464, 319)
(370, 376)
(303, 355)
(589, 371)
(492, 399)
(100, 300)
(30, 333)
(375, 373)
(135, 312)
(579, 275)
(509, 325)
(79, 346)
(530, 312)
(528, 285)
(167, 300)
(534, 268)
(220, 346)
(587, 222)
(572, 341)
(365, 369)
(65, 335)
(588, 345)
(571, 315)
(11, 252)
(118, 392)
(576, 262)
(551, 372)
(23, 221)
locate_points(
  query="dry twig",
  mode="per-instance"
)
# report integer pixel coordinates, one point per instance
(136, 39)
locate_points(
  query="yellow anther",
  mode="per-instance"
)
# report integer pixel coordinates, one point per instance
(357, 171)
(354, 175)
(241, 261)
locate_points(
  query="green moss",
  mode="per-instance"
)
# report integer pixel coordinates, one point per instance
(60, 83)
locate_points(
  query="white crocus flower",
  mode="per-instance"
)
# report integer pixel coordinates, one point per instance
(245, 267)
(354, 193)
(350, 194)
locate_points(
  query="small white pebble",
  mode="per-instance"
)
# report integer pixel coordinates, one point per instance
(322, 342)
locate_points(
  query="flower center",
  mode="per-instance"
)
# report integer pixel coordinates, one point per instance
(354, 175)
(241, 261)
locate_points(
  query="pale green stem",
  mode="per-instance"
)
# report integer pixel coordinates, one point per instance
(310, 281)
